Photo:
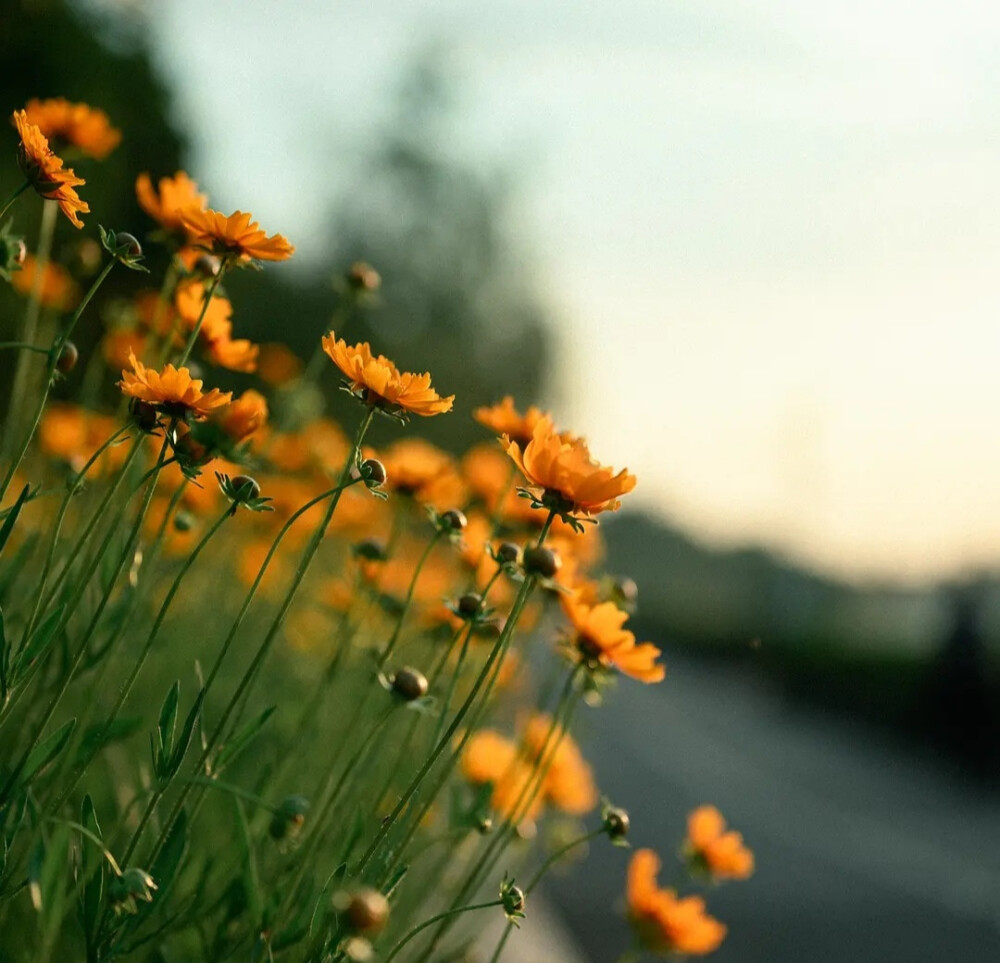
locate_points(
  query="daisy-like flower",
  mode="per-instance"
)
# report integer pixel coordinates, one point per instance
(165, 202)
(662, 922)
(379, 383)
(172, 391)
(58, 290)
(505, 419)
(86, 128)
(233, 236)
(601, 641)
(246, 415)
(45, 172)
(722, 854)
(568, 478)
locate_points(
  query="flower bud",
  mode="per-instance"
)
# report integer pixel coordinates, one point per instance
(289, 817)
(541, 561)
(453, 520)
(367, 912)
(21, 251)
(513, 900)
(68, 357)
(207, 266)
(469, 604)
(371, 549)
(183, 521)
(409, 684)
(144, 414)
(626, 589)
(245, 488)
(373, 472)
(508, 553)
(134, 884)
(134, 247)
(363, 277)
(616, 823)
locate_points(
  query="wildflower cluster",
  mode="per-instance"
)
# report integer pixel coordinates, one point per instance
(357, 669)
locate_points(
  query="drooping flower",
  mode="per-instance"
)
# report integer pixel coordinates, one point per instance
(58, 291)
(600, 640)
(720, 852)
(165, 202)
(379, 383)
(561, 467)
(173, 391)
(504, 419)
(79, 125)
(45, 172)
(233, 236)
(663, 922)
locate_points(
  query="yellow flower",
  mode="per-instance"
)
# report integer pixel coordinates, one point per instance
(45, 170)
(77, 125)
(662, 922)
(173, 390)
(505, 419)
(165, 203)
(561, 466)
(235, 235)
(601, 639)
(381, 384)
(242, 417)
(722, 853)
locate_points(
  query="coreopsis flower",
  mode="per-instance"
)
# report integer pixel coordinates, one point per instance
(566, 477)
(173, 391)
(235, 236)
(505, 419)
(719, 852)
(45, 171)
(237, 354)
(216, 329)
(118, 344)
(601, 641)
(424, 472)
(379, 383)
(491, 758)
(568, 783)
(72, 434)
(277, 364)
(58, 291)
(244, 416)
(663, 922)
(86, 128)
(165, 202)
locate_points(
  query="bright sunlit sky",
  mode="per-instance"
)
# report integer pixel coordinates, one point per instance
(769, 232)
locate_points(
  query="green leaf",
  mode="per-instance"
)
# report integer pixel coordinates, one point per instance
(241, 739)
(92, 870)
(45, 752)
(185, 737)
(12, 513)
(168, 719)
(4, 661)
(164, 870)
(37, 643)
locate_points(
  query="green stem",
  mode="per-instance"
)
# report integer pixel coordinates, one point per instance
(436, 919)
(24, 346)
(196, 330)
(57, 347)
(13, 197)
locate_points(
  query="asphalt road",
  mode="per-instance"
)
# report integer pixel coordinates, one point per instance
(867, 849)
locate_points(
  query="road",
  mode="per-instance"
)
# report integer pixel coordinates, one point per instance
(868, 849)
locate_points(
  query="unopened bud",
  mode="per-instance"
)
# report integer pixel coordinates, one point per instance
(508, 553)
(363, 277)
(367, 912)
(245, 488)
(68, 357)
(371, 549)
(453, 520)
(513, 900)
(134, 247)
(144, 414)
(409, 684)
(21, 251)
(373, 472)
(469, 604)
(542, 561)
(616, 823)
(183, 521)
(289, 817)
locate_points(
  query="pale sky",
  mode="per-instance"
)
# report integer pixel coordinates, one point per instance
(769, 231)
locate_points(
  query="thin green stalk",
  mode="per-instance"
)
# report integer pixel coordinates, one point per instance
(24, 346)
(275, 626)
(57, 347)
(417, 930)
(13, 197)
(196, 330)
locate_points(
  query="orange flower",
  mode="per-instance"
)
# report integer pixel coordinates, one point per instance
(235, 235)
(189, 301)
(722, 853)
(569, 782)
(72, 434)
(173, 390)
(234, 355)
(489, 757)
(662, 922)
(601, 640)
(242, 417)
(277, 365)
(45, 170)
(59, 291)
(505, 419)
(380, 383)
(76, 125)
(561, 466)
(165, 203)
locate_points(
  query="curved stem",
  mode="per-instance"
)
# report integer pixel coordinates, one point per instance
(13, 197)
(417, 930)
(196, 330)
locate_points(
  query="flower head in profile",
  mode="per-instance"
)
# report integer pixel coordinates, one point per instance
(45, 172)
(79, 126)
(165, 202)
(172, 391)
(379, 383)
(600, 640)
(244, 416)
(664, 923)
(565, 476)
(720, 853)
(235, 236)
(504, 419)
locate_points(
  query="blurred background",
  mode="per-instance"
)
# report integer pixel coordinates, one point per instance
(750, 251)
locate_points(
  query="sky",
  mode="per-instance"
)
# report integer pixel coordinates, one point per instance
(768, 232)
